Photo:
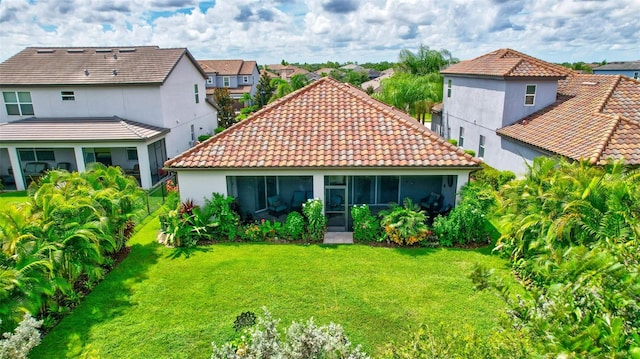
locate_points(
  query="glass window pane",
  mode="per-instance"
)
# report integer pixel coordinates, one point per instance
(24, 97)
(272, 186)
(419, 187)
(13, 110)
(531, 89)
(388, 189)
(45, 155)
(10, 97)
(27, 109)
(364, 190)
(27, 155)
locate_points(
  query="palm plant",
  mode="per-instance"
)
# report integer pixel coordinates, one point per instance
(282, 88)
(405, 225)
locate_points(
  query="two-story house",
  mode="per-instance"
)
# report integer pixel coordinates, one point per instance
(626, 68)
(133, 107)
(238, 76)
(510, 107)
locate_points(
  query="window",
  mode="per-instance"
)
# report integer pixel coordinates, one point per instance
(635, 75)
(530, 95)
(132, 154)
(195, 91)
(193, 133)
(245, 79)
(226, 81)
(481, 146)
(30, 154)
(461, 137)
(68, 95)
(449, 88)
(18, 103)
(210, 80)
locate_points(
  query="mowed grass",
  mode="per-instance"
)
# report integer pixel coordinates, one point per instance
(12, 198)
(170, 303)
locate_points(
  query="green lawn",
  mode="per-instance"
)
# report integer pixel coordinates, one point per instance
(13, 197)
(166, 303)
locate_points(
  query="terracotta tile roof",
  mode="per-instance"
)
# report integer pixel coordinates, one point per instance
(228, 67)
(326, 124)
(77, 129)
(91, 65)
(595, 117)
(507, 63)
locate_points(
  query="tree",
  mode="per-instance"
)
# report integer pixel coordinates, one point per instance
(411, 93)
(264, 91)
(246, 99)
(298, 81)
(425, 60)
(282, 88)
(226, 114)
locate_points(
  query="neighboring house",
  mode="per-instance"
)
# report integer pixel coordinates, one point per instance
(371, 73)
(330, 141)
(626, 68)
(510, 108)
(325, 71)
(132, 107)
(238, 76)
(376, 83)
(282, 71)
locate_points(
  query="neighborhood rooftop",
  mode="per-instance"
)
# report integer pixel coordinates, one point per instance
(91, 65)
(77, 129)
(228, 67)
(326, 124)
(596, 117)
(507, 63)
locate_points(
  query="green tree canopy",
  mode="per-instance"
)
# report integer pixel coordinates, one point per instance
(226, 114)
(425, 60)
(264, 91)
(411, 93)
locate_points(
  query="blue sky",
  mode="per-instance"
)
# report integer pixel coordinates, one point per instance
(330, 30)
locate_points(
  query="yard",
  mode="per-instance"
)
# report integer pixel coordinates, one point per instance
(163, 302)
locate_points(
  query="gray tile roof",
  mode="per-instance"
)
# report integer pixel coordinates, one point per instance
(622, 65)
(92, 65)
(75, 129)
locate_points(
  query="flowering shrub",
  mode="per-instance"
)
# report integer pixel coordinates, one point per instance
(301, 341)
(19, 343)
(317, 222)
(405, 225)
(262, 231)
(366, 227)
(293, 227)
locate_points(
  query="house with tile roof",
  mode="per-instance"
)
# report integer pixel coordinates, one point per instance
(328, 140)
(510, 107)
(626, 68)
(238, 76)
(67, 107)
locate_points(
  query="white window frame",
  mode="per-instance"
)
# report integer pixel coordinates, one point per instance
(68, 95)
(449, 88)
(482, 146)
(461, 137)
(245, 79)
(210, 80)
(226, 81)
(531, 96)
(195, 91)
(636, 75)
(18, 103)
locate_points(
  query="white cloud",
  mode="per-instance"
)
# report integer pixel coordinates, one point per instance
(321, 30)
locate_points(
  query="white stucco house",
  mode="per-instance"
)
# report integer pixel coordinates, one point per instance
(510, 107)
(133, 107)
(330, 141)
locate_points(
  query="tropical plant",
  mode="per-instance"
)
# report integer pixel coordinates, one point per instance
(301, 341)
(293, 228)
(424, 61)
(298, 81)
(18, 344)
(411, 93)
(246, 99)
(405, 225)
(226, 113)
(493, 177)
(219, 210)
(366, 227)
(282, 88)
(316, 221)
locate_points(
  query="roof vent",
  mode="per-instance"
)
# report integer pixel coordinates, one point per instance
(86, 72)
(115, 56)
(589, 83)
(75, 51)
(127, 49)
(114, 72)
(45, 51)
(102, 50)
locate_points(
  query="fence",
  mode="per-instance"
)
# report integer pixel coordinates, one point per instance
(157, 194)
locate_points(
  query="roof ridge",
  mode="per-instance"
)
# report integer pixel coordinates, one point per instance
(606, 98)
(607, 139)
(128, 126)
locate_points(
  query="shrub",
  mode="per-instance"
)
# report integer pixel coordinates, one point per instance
(405, 225)
(293, 228)
(219, 209)
(218, 130)
(466, 223)
(366, 227)
(244, 320)
(301, 341)
(261, 231)
(18, 344)
(493, 177)
(203, 138)
(317, 222)
(470, 152)
(453, 141)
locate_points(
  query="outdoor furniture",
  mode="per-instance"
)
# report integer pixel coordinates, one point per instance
(64, 166)
(34, 170)
(276, 206)
(297, 199)
(432, 204)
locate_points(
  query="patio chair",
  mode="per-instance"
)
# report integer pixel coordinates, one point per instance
(297, 199)
(63, 166)
(432, 204)
(276, 206)
(35, 170)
